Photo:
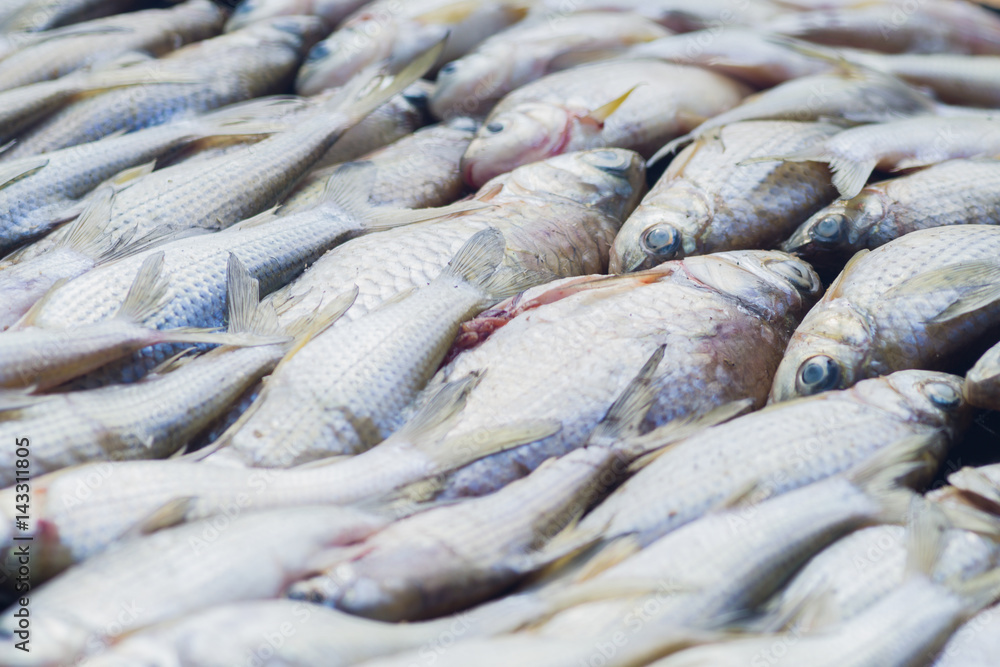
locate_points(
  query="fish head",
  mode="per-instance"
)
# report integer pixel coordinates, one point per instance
(839, 230)
(528, 133)
(611, 180)
(932, 398)
(670, 228)
(335, 60)
(250, 11)
(300, 33)
(830, 350)
(470, 86)
(778, 287)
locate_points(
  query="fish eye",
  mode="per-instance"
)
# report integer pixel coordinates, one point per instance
(448, 68)
(245, 7)
(318, 52)
(662, 241)
(609, 161)
(942, 395)
(818, 374)
(795, 273)
(830, 229)
(494, 127)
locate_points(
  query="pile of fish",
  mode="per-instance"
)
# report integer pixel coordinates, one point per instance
(573, 333)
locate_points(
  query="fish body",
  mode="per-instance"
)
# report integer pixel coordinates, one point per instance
(923, 294)
(741, 53)
(745, 298)
(853, 96)
(707, 201)
(152, 31)
(209, 194)
(782, 448)
(892, 27)
(955, 192)
(391, 32)
(49, 188)
(558, 216)
(902, 144)
(36, 15)
(566, 111)
(471, 85)
(227, 69)
(179, 571)
(906, 628)
(418, 171)
(975, 644)
(445, 559)
(331, 11)
(954, 78)
(862, 568)
(379, 362)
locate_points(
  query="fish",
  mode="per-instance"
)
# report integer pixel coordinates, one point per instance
(728, 562)
(862, 568)
(226, 634)
(954, 192)
(903, 144)
(474, 83)
(954, 78)
(418, 171)
(25, 106)
(379, 361)
(229, 68)
(39, 359)
(851, 94)
(741, 53)
(448, 558)
(157, 417)
(144, 496)
(930, 27)
(709, 200)
(212, 194)
(273, 249)
(677, 15)
(180, 571)
(42, 191)
(608, 327)
(908, 627)
(331, 11)
(559, 216)
(153, 31)
(931, 308)
(392, 32)
(36, 15)
(635, 104)
(784, 447)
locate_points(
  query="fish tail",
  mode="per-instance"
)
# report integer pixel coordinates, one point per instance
(377, 88)
(478, 259)
(147, 295)
(884, 474)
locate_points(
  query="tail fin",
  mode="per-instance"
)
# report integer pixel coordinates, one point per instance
(378, 89)
(883, 474)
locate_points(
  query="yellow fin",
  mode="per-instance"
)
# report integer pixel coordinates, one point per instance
(601, 113)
